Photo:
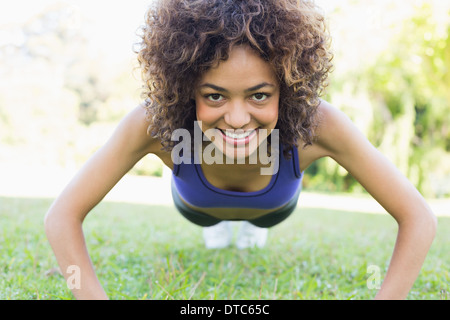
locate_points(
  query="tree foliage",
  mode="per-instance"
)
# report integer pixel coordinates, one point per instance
(405, 105)
(58, 97)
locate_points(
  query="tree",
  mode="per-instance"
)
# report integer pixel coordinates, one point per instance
(401, 101)
(410, 88)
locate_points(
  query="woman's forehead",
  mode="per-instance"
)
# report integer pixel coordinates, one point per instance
(243, 66)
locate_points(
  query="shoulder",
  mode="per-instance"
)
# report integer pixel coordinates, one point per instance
(339, 138)
(336, 137)
(335, 129)
(132, 132)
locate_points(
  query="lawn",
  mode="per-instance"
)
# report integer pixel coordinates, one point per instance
(151, 252)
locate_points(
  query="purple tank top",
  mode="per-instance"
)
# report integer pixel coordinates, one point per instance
(193, 187)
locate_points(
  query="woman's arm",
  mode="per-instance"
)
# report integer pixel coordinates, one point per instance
(342, 141)
(63, 221)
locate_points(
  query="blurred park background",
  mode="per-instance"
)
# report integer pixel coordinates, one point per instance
(68, 74)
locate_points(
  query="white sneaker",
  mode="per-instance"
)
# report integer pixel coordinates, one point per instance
(218, 236)
(250, 236)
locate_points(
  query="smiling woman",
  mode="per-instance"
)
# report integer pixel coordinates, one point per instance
(239, 68)
(239, 97)
(296, 52)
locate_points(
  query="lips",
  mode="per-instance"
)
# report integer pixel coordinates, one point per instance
(238, 137)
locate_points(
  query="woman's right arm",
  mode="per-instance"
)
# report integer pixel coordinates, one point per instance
(63, 221)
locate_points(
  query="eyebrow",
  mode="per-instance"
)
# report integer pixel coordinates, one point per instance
(220, 89)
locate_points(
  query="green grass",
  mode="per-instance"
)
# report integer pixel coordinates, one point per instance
(151, 252)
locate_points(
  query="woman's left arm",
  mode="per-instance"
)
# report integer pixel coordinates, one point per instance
(416, 223)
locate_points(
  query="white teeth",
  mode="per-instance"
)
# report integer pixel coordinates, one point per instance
(234, 135)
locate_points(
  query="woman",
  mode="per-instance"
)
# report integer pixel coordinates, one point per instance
(248, 76)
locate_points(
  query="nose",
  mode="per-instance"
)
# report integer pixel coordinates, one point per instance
(237, 116)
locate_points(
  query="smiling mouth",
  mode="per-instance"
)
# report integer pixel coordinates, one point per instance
(238, 137)
(237, 134)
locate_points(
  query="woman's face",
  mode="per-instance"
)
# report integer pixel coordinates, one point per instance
(237, 102)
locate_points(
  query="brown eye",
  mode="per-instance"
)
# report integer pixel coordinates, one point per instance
(215, 97)
(259, 97)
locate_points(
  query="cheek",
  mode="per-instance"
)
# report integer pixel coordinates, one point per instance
(269, 116)
(205, 113)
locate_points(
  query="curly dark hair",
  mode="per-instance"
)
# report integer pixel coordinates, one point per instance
(184, 38)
